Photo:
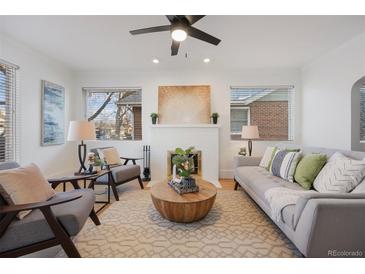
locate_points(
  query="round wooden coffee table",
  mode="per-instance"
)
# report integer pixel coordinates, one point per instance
(185, 208)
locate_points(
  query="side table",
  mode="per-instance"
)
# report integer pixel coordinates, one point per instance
(74, 180)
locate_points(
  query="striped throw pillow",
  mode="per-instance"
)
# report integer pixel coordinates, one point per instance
(284, 164)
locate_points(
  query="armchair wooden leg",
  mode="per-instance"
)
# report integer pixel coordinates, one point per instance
(115, 191)
(94, 217)
(140, 182)
(60, 234)
(236, 184)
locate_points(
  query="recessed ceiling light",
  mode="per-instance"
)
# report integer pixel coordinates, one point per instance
(156, 61)
(206, 60)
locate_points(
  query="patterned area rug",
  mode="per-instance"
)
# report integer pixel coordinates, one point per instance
(235, 227)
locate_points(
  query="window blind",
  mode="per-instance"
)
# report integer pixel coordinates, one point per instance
(8, 118)
(271, 108)
(362, 112)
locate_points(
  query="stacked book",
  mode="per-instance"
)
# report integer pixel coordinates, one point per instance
(182, 186)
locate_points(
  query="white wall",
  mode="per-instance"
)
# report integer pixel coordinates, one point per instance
(220, 81)
(326, 95)
(35, 67)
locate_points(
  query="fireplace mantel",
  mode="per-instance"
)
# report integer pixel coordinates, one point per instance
(167, 137)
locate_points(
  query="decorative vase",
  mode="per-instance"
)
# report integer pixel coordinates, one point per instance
(215, 120)
(154, 120)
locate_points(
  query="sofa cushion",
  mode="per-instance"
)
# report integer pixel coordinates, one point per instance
(360, 188)
(4, 166)
(260, 180)
(110, 156)
(340, 175)
(121, 174)
(308, 168)
(34, 228)
(267, 158)
(24, 185)
(284, 164)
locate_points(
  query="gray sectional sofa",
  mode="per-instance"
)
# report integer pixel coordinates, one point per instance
(320, 225)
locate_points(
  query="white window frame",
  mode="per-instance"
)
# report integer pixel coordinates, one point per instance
(87, 90)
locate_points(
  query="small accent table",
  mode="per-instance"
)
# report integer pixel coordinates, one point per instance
(74, 180)
(185, 208)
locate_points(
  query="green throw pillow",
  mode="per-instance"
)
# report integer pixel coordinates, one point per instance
(308, 169)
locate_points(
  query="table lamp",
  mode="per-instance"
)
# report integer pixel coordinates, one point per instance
(81, 131)
(249, 133)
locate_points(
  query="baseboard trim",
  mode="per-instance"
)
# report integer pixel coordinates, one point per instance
(226, 174)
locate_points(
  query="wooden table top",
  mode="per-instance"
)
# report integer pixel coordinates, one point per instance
(163, 191)
(79, 177)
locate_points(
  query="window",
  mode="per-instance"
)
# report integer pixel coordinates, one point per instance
(362, 113)
(117, 112)
(8, 92)
(240, 116)
(270, 108)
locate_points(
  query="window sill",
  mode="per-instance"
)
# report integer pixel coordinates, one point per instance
(237, 137)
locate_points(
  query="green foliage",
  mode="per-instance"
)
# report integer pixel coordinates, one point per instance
(154, 115)
(183, 161)
(214, 114)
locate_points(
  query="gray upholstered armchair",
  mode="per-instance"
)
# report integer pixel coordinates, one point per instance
(50, 223)
(121, 173)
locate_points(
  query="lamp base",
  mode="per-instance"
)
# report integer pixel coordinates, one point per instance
(249, 147)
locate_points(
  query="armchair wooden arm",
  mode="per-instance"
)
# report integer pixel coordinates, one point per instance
(31, 206)
(11, 210)
(133, 159)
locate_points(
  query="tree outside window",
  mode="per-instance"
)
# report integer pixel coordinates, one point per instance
(116, 113)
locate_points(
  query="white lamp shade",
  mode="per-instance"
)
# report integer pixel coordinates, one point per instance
(81, 130)
(250, 132)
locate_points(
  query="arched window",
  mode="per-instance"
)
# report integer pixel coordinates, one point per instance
(358, 115)
(362, 112)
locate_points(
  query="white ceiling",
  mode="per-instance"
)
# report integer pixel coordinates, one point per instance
(104, 42)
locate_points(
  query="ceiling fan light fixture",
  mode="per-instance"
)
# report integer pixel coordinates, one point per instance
(206, 60)
(179, 35)
(156, 61)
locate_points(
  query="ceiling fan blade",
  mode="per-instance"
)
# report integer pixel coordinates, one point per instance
(174, 47)
(171, 18)
(201, 35)
(193, 18)
(149, 30)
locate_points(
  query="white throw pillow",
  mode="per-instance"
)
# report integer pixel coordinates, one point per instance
(111, 156)
(24, 185)
(267, 158)
(340, 175)
(360, 187)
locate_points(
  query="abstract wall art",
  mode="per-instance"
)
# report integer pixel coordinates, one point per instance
(53, 114)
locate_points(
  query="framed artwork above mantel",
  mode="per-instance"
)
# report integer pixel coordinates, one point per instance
(53, 114)
(184, 104)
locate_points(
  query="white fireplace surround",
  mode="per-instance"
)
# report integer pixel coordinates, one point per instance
(204, 137)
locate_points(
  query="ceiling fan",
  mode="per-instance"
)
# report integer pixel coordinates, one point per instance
(180, 28)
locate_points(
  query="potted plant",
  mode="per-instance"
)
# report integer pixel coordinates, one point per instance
(183, 160)
(215, 116)
(154, 117)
